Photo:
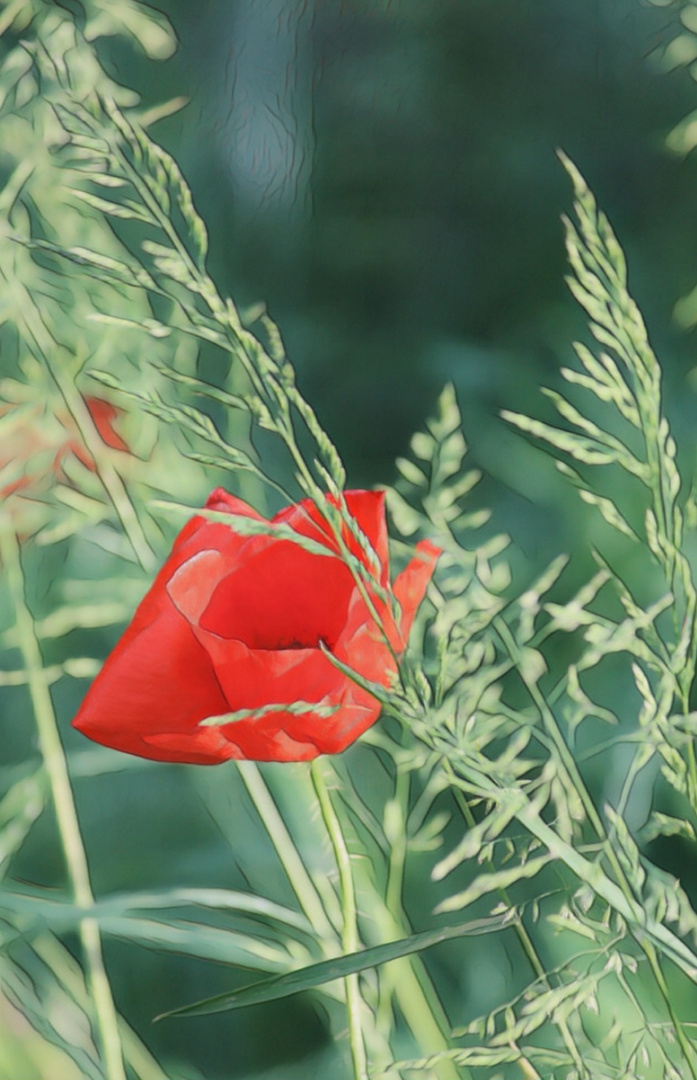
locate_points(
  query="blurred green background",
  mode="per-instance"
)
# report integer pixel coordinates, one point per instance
(383, 175)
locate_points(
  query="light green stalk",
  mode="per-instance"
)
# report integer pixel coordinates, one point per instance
(64, 803)
(300, 881)
(71, 977)
(349, 935)
(526, 943)
(567, 763)
(408, 979)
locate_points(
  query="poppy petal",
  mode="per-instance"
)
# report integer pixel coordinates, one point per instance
(368, 510)
(122, 710)
(410, 586)
(281, 597)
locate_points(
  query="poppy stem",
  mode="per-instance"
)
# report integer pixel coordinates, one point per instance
(349, 936)
(409, 980)
(299, 878)
(64, 803)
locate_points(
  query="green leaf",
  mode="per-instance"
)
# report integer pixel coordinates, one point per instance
(37, 904)
(280, 986)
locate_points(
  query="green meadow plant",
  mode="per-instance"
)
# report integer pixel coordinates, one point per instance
(477, 810)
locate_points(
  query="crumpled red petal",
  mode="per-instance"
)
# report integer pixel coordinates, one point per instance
(157, 684)
(368, 510)
(410, 586)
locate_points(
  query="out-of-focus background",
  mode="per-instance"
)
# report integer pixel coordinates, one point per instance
(383, 175)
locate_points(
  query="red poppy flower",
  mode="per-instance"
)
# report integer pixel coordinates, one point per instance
(235, 622)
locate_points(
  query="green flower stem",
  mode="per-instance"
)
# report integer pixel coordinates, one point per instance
(349, 936)
(66, 815)
(417, 998)
(407, 979)
(300, 881)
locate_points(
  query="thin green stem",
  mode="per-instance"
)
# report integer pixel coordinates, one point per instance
(692, 770)
(685, 1045)
(64, 803)
(284, 845)
(397, 839)
(71, 977)
(524, 938)
(407, 979)
(349, 936)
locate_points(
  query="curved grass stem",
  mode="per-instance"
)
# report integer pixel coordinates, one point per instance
(408, 980)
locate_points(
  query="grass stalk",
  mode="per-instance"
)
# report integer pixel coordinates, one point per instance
(66, 815)
(284, 845)
(407, 979)
(527, 945)
(349, 935)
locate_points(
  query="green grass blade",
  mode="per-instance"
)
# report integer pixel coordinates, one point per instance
(280, 986)
(34, 903)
